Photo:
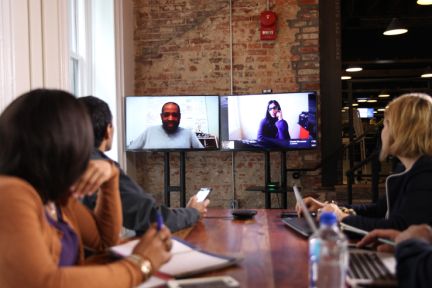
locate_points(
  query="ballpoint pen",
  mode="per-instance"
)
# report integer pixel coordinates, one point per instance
(159, 219)
(359, 231)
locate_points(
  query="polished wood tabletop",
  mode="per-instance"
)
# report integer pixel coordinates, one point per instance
(273, 254)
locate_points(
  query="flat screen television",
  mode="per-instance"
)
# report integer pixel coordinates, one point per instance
(196, 128)
(280, 121)
(366, 112)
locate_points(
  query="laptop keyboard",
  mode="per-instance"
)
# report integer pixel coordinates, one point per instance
(367, 265)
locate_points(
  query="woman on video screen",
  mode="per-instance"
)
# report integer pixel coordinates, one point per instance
(273, 126)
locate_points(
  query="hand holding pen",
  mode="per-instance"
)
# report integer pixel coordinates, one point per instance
(380, 239)
(155, 245)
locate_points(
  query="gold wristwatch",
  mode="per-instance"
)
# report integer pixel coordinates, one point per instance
(144, 264)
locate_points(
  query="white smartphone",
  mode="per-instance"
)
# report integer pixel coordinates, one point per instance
(203, 193)
(218, 282)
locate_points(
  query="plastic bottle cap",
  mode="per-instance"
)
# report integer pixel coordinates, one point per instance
(328, 218)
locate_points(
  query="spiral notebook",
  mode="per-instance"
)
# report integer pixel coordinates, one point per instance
(186, 261)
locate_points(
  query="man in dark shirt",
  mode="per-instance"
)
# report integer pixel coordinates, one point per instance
(138, 206)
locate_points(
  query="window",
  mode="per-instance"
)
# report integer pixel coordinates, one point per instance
(92, 53)
(80, 48)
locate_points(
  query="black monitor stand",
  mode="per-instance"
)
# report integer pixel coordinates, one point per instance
(282, 189)
(182, 187)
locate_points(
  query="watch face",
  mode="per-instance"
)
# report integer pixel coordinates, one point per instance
(146, 267)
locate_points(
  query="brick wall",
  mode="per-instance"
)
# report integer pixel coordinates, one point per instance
(182, 47)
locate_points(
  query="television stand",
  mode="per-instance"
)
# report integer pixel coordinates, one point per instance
(282, 189)
(168, 187)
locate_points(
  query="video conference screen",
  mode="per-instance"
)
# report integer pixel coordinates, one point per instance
(282, 121)
(167, 123)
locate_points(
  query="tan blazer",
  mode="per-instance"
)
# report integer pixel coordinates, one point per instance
(30, 247)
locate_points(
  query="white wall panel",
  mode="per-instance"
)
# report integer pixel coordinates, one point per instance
(20, 44)
(35, 47)
(7, 75)
(51, 45)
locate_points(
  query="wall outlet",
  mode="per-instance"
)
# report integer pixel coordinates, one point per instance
(232, 204)
(267, 91)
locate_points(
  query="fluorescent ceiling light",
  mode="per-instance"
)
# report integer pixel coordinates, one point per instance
(427, 73)
(361, 100)
(345, 76)
(384, 94)
(375, 112)
(381, 109)
(395, 28)
(355, 104)
(371, 100)
(424, 2)
(354, 68)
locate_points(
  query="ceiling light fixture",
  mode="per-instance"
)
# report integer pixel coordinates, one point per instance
(354, 68)
(384, 94)
(371, 100)
(424, 2)
(345, 76)
(355, 104)
(395, 28)
(427, 73)
(361, 100)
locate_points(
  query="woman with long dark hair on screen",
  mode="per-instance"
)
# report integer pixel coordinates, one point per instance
(273, 126)
(46, 140)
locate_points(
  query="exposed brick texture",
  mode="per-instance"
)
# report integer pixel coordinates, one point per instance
(183, 47)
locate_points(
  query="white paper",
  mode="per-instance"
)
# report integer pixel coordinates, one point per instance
(152, 282)
(184, 258)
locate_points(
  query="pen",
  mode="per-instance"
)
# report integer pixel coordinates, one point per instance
(363, 232)
(159, 219)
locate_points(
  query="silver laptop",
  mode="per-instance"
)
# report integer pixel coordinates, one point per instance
(305, 225)
(366, 267)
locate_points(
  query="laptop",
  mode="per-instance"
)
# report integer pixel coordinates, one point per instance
(305, 225)
(366, 267)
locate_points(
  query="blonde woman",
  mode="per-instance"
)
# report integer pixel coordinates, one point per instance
(407, 134)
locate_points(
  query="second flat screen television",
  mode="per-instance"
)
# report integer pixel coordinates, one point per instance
(280, 121)
(196, 128)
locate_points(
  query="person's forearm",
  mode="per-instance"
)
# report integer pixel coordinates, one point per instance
(102, 229)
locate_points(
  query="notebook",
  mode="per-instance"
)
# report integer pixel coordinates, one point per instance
(366, 267)
(186, 261)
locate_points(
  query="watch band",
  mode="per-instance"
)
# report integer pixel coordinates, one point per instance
(144, 264)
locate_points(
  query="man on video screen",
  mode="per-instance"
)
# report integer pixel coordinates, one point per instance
(169, 135)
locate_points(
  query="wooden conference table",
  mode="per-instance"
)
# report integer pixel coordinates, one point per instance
(273, 254)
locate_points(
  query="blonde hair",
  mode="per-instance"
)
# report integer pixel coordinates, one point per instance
(409, 119)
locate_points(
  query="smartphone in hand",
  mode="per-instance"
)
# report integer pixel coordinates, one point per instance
(203, 193)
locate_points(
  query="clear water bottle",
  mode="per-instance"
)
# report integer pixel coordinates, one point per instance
(328, 254)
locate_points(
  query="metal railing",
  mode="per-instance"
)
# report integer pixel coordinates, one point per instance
(350, 173)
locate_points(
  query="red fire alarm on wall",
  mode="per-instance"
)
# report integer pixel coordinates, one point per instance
(268, 25)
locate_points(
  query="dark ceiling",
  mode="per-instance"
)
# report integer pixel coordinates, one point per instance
(403, 57)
